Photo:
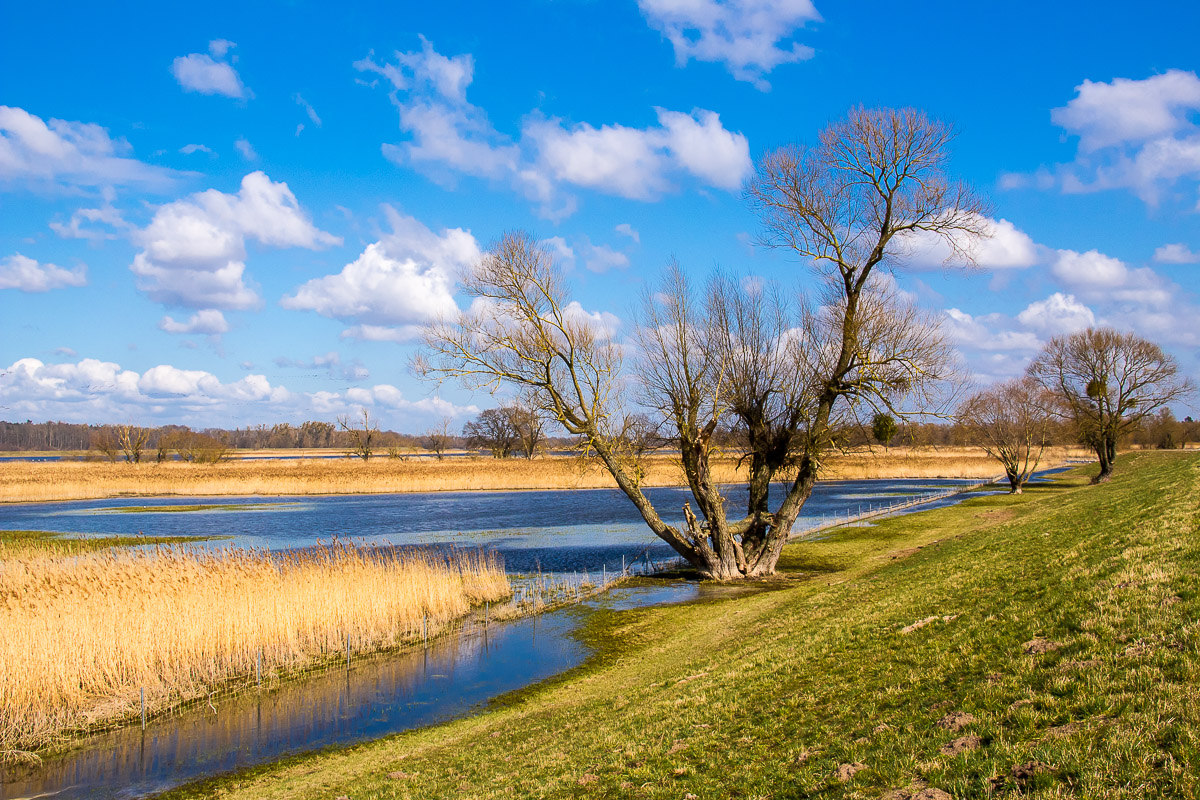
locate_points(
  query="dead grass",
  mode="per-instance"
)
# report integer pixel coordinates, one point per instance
(83, 634)
(23, 481)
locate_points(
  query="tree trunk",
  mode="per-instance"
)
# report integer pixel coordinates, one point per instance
(1106, 452)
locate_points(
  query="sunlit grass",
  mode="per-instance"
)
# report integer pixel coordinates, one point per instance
(84, 633)
(778, 694)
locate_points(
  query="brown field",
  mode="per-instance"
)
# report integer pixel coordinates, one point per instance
(79, 480)
(83, 634)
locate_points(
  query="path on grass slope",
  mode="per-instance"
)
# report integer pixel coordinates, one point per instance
(787, 693)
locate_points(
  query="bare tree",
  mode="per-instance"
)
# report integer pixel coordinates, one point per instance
(492, 430)
(528, 422)
(362, 432)
(104, 441)
(788, 372)
(132, 441)
(1010, 422)
(1108, 382)
(438, 438)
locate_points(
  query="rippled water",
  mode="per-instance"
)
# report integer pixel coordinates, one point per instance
(555, 531)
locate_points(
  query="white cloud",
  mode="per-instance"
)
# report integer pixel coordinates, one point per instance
(199, 72)
(1125, 110)
(1057, 314)
(986, 332)
(61, 153)
(636, 162)
(559, 247)
(97, 391)
(246, 149)
(602, 322)
(449, 136)
(1136, 134)
(208, 321)
(601, 257)
(219, 47)
(751, 37)
(194, 249)
(1091, 270)
(625, 229)
(404, 279)
(188, 149)
(106, 215)
(1178, 253)
(308, 109)
(1007, 247)
(27, 275)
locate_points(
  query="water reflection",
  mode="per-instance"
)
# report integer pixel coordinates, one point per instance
(376, 696)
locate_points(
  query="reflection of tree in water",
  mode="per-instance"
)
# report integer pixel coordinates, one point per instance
(377, 695)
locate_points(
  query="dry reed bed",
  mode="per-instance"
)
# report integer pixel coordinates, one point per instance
(84, 634)
(68, 480)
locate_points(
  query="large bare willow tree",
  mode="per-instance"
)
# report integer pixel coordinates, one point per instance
(1107, 382)
(783, 372)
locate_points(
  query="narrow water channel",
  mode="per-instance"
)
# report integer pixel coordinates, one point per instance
(374, 697)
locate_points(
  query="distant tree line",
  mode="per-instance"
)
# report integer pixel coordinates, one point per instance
(487, 432)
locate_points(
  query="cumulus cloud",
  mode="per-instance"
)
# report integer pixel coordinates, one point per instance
(449, 136)
(985, 332)
(1135, 134)
(27, 275)
(750, 37)
(396, 284)
(207, 321)
(1057, 314)
(1178, 253)
(201, 72)
(194, 250)
(1092, 269)
(107, 215)
(637, 162)
(1007, 247)
(188, 149)
(70, 154)
(95, 391)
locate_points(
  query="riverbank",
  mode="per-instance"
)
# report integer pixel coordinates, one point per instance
(24, 481)
(95, 638)
(1043, 644)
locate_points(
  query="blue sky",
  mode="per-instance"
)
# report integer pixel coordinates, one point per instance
(242, 215)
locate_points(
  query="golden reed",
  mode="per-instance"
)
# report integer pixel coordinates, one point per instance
(81, 480)
(83, 635)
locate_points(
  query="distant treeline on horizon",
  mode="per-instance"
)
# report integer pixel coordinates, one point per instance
(1162, 430)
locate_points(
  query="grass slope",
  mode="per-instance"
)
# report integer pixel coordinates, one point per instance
(772, 694)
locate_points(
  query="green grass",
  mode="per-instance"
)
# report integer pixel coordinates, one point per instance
(18, 543)
(765, 695)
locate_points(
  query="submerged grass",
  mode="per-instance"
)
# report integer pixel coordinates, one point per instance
(25, 481)
(25, 543)
(83, 634)
(1043, 645)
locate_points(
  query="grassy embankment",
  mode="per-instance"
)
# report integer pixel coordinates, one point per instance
(1063, 623)
(79, 480)
(85, 631)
